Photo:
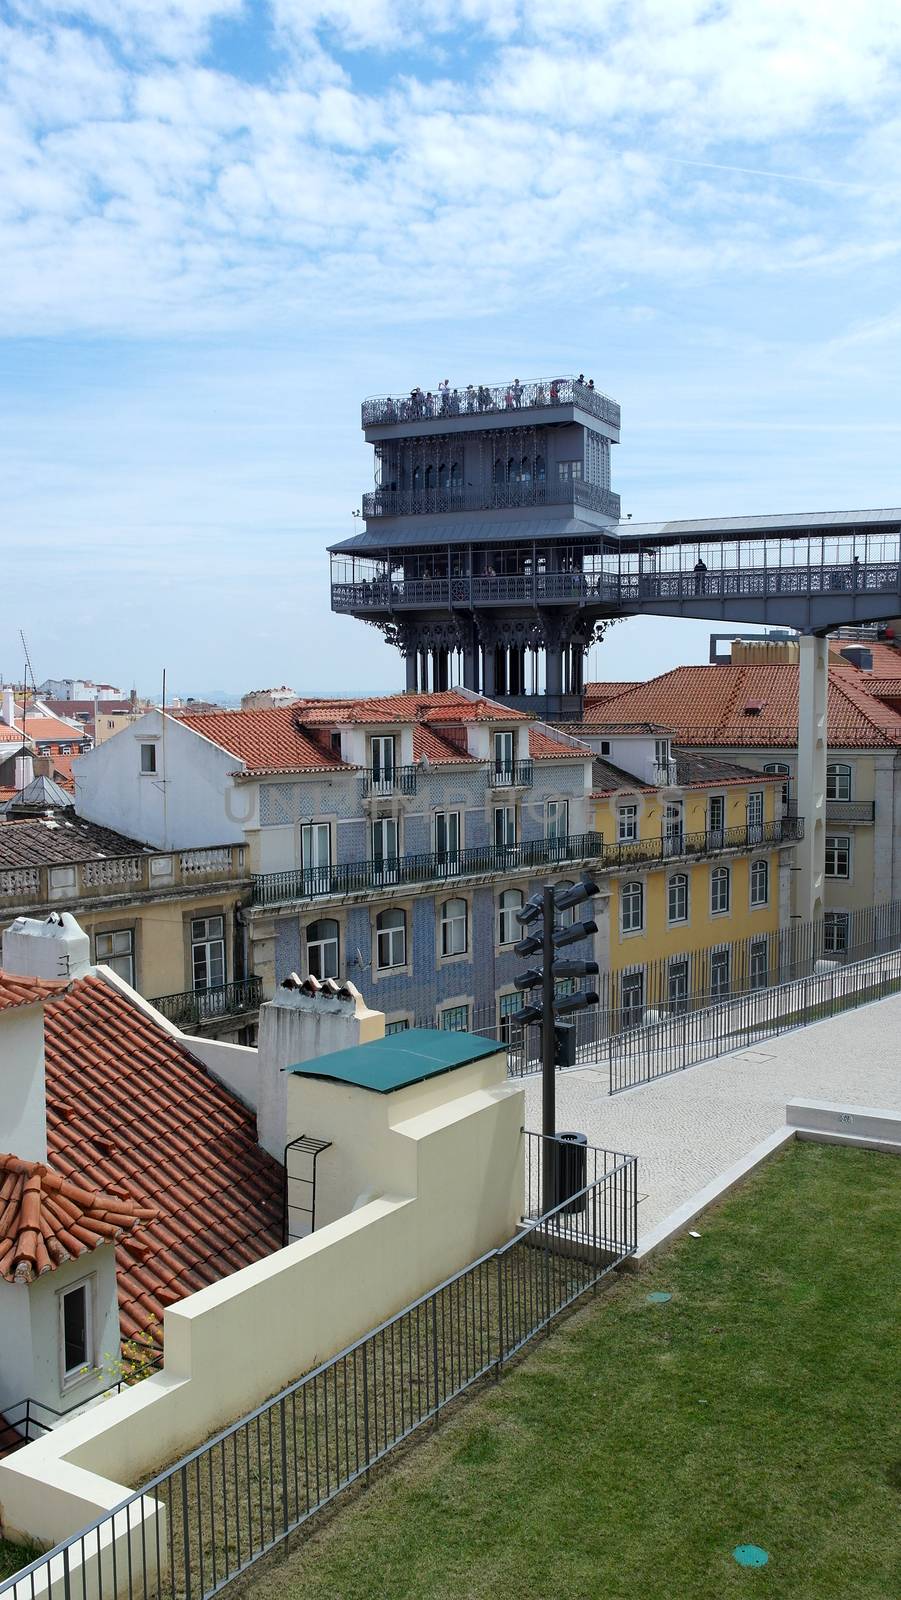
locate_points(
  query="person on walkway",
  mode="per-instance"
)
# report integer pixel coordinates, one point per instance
(517, 392)
(700, 569)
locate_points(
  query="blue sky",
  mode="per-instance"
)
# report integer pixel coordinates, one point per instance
(223, 223)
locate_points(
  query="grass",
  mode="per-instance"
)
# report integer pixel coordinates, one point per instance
(632, 1451)
(14, 1556)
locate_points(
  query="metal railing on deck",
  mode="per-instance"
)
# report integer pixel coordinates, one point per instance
(389, 780)
(194, 1006)
(419, 406)
(510, 775)
(245, 1490)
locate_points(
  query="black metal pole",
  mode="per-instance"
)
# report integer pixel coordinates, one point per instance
(548, 1068)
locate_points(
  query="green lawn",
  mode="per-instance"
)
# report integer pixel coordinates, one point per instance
(14, 1556)
(633, 1450)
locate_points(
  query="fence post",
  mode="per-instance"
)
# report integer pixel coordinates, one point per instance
(500, 1317)
(366, 1450)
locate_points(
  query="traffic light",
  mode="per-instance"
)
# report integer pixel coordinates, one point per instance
(530, 912)
(579, 930)
(528, 947)
(585, 889)
(575, 1002)
(574, 969)
(525, 1015)
(564, 1044)
(529, 979)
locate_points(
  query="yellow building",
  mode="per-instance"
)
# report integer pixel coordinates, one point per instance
(168, 922)
(699, 883)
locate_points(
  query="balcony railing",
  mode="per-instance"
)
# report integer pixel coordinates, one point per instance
(195, 1006)
(356, 877)
(387, 781)
(359, 877)
(543, 393)
(126, 878)
(491, 497)
(510, 775)
(850, 810)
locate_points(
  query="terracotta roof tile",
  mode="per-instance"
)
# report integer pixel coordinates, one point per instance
(447, 705)
(608, 691)
(42, 842)
(16, 991)
(437, 747)
(266, 741)
(544, 748)
(129, 1104)
(46, 1219)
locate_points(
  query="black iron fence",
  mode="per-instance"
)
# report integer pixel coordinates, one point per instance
(510, 774)
(194, 1527)
(389, 780)
(195, 1006)
(491, 497)
(420, 405)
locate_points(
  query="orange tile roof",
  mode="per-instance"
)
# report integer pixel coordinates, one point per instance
(268, 740)
(49, 730)
(881, 688)
(543, 748)
(10, 735)
(129, 1104)
(446, 705)
(708, 705)
(46, 1219)
(886, 657)
(608, 691)
(437, 747)
(16, 991)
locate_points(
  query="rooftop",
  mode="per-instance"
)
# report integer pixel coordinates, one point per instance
(128, 1103)
(46, 1219)
(56, 841)
(399, 1060)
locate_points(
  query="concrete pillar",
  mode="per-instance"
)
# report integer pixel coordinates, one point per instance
(813, 691)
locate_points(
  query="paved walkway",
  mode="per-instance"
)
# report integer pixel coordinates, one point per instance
(689, 1127)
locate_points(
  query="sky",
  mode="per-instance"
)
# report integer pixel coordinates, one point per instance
(223, 223)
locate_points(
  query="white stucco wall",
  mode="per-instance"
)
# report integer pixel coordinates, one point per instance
(23, 1116)
(190, 800)
(30, 1343)
(294, 1031)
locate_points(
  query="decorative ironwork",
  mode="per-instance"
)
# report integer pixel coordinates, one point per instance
(510, 775)
(394, 780)
(194, 1006)
(490, 497)
(540, 394)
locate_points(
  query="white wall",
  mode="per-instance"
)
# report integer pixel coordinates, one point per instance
(190, 801)
(293, 1028)
(23, 1114)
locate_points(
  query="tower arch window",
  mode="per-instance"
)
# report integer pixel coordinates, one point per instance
(429, 478)
(525, 470)
(540, 469)
(456, 476)
(417, 478)
(511, 470)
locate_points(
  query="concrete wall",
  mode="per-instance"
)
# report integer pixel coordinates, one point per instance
(189, 800)
(458, 1193)
(295, 1028)
(23, 1116)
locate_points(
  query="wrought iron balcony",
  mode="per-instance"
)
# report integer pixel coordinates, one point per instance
(361, 877)
(358, 877)
(388, 781)
(850, 810)
(491, 497)
(543, 393)
(510, 775)
(196, 1006)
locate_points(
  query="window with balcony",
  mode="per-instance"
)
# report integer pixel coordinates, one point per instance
(556, 820)
(391, 939)
(838, 856)
(755, 816)
(382, 759)
(322, 948)
(632, 998)
(503, 756)
(315, 844)
(207, 952)
(631, 907)
(385, 848)
(836, 926)
(626, 824)
(116, 950)
(677, 898)
(672, 828)
(719, 974)
(455, 1019)
(716, 816)
(505, 827)
(760, 883)
(783, 767)
(509, 902)
(454, 927)
(720, 891)
(447, 834)
(838, 781)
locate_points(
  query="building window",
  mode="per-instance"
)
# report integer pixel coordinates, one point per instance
(605, 747)
(382, 757)
(672, 828)
(391, 938)
(399, 1026)
(719, 974)
(631, 907)
(556, 823)
(835, 931)
(447, 834)
(454, 915)
(677, 985)
(760, 883)
(569, 471)
(507, 1007)
(385, 848)
(720, 890)
(76, 1333)
(632, 997)
(503, 756)
(322, 948)
(148, 758)
(755, 816)
(759, 964)
(716, 815)
(838, 781)
(783, 767)
(504, 826)
(455, 1019)
(677, 898)
(626, 824)
(507, 926)
(208, 952)
(540, 472)
(838, 856)
(315, 845)
(117, 951)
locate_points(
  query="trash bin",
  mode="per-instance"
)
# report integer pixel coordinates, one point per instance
(571, 1156)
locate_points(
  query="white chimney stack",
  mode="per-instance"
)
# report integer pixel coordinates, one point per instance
(24, 770)
(9, 707)
(54, 948)
(23, 1095)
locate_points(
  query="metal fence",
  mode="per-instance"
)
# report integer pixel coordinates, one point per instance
(197, 1525)
(654, 1050)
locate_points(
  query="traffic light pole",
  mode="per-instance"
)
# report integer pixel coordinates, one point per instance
(548, 1056)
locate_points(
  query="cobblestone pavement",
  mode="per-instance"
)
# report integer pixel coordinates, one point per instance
(689, 1127)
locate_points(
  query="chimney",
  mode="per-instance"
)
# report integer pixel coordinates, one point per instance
(8, 699)
(54, 948)
(304, 1020)
(859, 657)
(24, 770)
(43, 766)
(23, 1098)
